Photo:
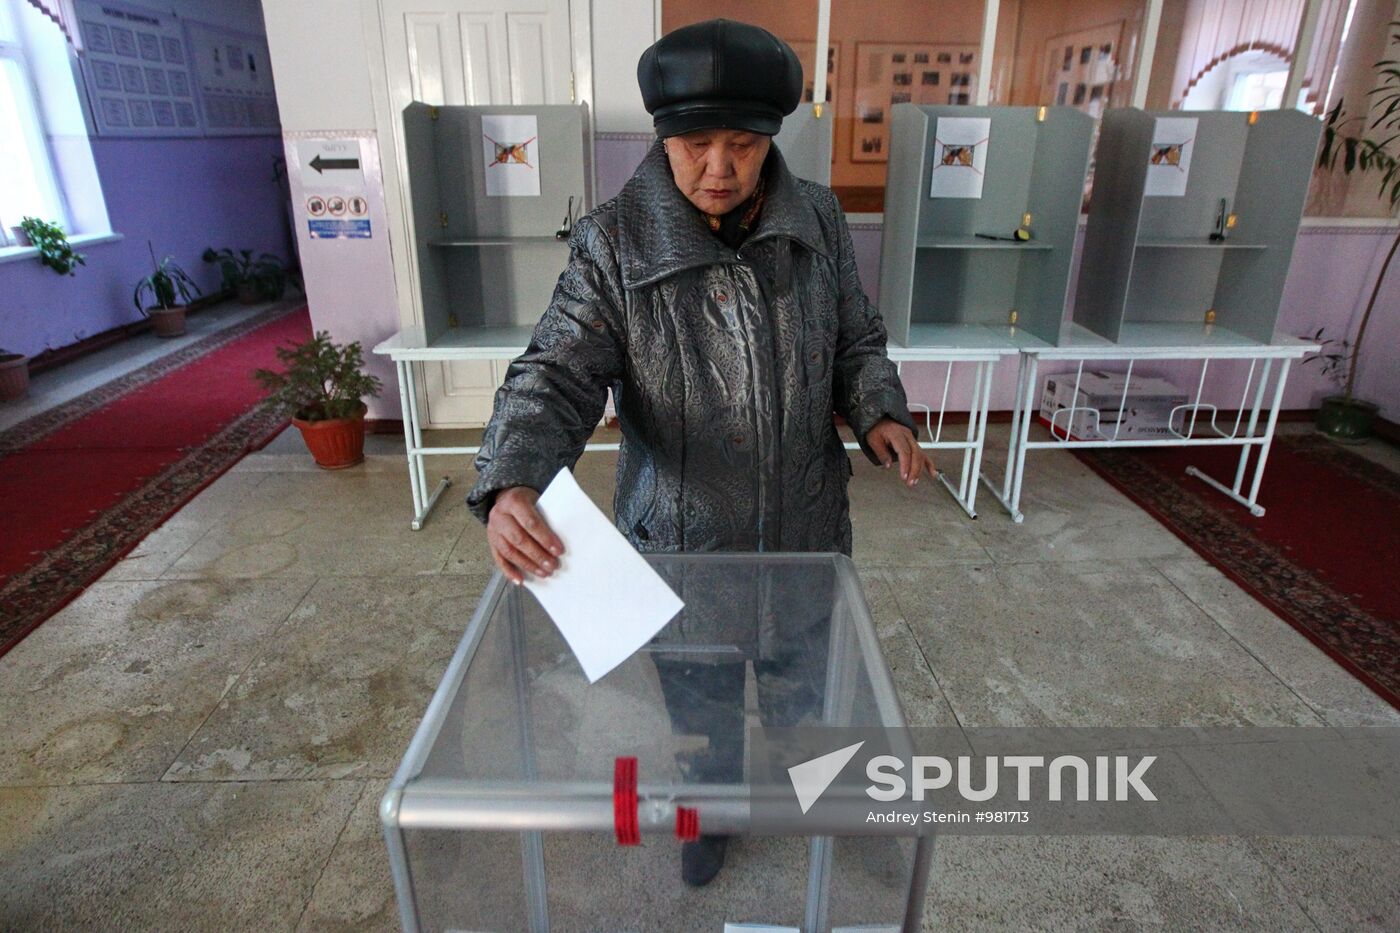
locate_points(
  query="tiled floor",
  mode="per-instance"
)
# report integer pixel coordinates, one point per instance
(200, 740)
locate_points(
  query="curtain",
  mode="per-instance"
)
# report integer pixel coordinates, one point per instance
(1215, 30)
(62, 13)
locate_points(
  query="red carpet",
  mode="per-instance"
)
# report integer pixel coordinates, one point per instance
(82, 483)
(1322, 557)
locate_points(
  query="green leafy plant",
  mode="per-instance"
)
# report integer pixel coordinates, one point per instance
(168, 285)
(323, 380)
(1346, 139)
(1335, 358)
(265, 273)
(52, 243)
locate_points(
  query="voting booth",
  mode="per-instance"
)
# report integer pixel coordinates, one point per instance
(513, 807)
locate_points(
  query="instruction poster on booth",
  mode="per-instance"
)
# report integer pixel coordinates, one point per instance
(1169, 161)
(333, 189)
(959, 157)
(510, 144)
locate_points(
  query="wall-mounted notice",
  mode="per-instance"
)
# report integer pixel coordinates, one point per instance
(1169, 160)
(510, 144)
(333, 189)
(137, 68)
(960, 157)
(234, 73)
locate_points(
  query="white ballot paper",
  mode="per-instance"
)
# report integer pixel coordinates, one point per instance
(605, 599)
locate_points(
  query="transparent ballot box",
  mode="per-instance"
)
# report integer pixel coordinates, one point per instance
(505, 814)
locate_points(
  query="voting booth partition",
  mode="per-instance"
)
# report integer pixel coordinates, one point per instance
(1192, 225)
(511, 811)
(805, 142)
(981, 213)
(491, 186)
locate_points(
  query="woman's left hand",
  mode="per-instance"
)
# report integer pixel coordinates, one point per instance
(890, 439)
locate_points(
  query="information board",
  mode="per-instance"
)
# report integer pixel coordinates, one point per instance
(137, 66)
(234, 76)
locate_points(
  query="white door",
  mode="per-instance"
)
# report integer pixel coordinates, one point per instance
(471, 52)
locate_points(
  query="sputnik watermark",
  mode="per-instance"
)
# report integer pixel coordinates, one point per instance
(1177, 781)
(1109, 778)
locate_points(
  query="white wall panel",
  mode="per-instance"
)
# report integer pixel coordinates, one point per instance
(319, 64)
(622, 30)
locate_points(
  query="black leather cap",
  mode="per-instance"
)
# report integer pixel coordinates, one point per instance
(719, 74)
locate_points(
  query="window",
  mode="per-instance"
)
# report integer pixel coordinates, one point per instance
(1257, 90)
(1249, 80)
(29, 186)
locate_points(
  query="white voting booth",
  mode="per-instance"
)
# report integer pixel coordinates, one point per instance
(1190, 235)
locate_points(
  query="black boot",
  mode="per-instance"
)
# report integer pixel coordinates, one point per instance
(701, 860)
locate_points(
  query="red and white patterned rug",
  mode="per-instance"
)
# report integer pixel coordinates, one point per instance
(1324, 555)
(82, 483)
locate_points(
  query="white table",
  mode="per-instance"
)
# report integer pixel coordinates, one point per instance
(1206, 343)
(961, 347)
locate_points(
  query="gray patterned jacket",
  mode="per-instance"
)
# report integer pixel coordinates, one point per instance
(725, 365)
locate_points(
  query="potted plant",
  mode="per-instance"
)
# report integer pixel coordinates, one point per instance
(54, 249)
(263, 278)
(1344, 416)
(14, 375)
(171, 288)
(323, 388)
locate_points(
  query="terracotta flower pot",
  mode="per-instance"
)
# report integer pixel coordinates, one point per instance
(168, 322)
(14, 376)
(335, 443)
(248, 293)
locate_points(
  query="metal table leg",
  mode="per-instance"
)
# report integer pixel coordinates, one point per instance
(1010, 493)
(1023, 438)
(406, 403)
(1251, 501)
(413, 435)
(967, 483)
(976, 471)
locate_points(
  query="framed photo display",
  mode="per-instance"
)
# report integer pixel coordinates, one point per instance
(1082, 68)
(805, 49)
(889, 73)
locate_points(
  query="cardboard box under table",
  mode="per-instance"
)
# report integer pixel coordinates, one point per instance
(1108, 406)
(507, 811)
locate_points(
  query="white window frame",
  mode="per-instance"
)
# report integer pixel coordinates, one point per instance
(36, 130)
(1233, 92)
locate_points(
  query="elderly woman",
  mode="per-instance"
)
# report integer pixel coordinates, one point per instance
(717, 296)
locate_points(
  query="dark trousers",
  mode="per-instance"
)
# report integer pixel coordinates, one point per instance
(706, 698)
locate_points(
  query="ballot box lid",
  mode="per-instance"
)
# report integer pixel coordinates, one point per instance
(515, 728)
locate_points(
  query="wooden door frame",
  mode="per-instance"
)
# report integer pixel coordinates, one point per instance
(388, 129)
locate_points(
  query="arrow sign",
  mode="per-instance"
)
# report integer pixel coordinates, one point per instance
(320, 164)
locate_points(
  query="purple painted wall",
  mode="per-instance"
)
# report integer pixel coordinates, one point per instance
(1328, 285)
(183, 195)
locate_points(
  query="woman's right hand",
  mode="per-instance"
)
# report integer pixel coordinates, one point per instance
(521, 542)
